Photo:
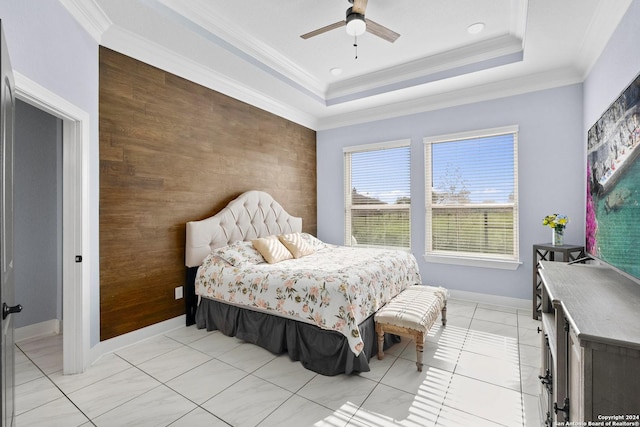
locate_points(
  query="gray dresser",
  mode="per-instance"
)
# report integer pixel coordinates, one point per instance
(590, 345)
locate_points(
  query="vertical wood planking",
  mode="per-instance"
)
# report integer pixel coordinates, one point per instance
(172, 151)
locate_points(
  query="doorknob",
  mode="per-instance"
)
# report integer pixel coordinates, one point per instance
(6, 310)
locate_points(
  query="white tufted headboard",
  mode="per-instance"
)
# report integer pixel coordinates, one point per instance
(251, 215)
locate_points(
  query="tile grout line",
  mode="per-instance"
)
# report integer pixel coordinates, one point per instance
(161, 383)
(522, 392)
(373, 389)
(55, 385)
(466, 335)
(185, 397)
(519, 375)
(520, 370)
(350, 418)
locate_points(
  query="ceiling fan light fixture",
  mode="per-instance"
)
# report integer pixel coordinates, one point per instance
(356, 24)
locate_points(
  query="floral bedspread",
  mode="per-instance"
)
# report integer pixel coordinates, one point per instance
(334, 288)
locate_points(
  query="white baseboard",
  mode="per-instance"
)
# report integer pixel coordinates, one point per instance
(116, 343)
(42, 329)
(522, 304)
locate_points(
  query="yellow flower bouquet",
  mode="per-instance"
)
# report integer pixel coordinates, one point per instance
(558, 222)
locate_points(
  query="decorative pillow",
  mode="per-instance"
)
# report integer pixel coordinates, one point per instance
(271, 249)
(296, 244)
(315, 243)
(239, 253)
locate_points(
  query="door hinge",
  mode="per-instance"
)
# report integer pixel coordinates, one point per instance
(78, 258)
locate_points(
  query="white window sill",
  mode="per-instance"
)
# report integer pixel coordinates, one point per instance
(501, 264)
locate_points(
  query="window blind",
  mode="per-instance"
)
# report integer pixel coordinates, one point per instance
(377, 195)
(472, 194)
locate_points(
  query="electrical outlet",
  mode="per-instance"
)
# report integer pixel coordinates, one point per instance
(178, 292)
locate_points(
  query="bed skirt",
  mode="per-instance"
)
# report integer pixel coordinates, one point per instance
(322, 351)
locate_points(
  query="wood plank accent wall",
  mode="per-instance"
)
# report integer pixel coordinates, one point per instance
(172, 151)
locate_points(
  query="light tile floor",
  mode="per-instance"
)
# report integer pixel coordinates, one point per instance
(480, 370)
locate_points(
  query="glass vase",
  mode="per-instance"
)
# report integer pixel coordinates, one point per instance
(557, 237)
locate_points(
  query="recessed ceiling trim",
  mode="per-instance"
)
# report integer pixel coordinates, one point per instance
(254, 74)
(131, 44)
(429, 78)
(452, 98)
(473, 53)
(518, 19)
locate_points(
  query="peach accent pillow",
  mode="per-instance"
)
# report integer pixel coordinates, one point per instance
(296, 244)
(271, 249)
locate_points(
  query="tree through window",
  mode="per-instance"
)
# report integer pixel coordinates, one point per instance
(471, 195)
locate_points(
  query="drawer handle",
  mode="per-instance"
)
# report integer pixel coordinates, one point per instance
(546, 379)
(564, 409)
(548, 421)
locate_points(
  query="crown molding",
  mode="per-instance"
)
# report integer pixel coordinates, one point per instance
(89, 15)
(603, 23)
(135, 46)
(518, 19)
(436, 101)
(475, 53)
(217, 29)
(200, 17)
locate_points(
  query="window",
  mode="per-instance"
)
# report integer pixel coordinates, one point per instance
(377, 195)
(472, 198)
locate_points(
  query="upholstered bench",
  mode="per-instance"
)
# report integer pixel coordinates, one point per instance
(411, 313)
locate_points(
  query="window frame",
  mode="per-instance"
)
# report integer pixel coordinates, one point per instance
(505, 262)
(348, 206)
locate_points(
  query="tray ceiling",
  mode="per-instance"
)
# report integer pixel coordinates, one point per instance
(252, 50)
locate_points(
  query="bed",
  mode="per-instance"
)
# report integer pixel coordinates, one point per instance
(317, 306)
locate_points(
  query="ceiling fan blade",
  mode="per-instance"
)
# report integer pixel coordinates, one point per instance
(324, 29)
(359, 6)
(381, 31)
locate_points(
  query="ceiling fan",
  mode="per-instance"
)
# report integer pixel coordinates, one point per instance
(357, 24)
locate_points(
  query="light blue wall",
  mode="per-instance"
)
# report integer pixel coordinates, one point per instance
(38, 216)
(551, 170)
(49, 47)
(617, 66)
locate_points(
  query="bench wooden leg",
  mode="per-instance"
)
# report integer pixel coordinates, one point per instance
(444, 314)
(380, 333)
(419, 350)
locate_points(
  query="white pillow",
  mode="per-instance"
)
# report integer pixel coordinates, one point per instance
(239, 253)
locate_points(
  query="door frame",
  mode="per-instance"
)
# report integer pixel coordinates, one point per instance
(75, 275)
